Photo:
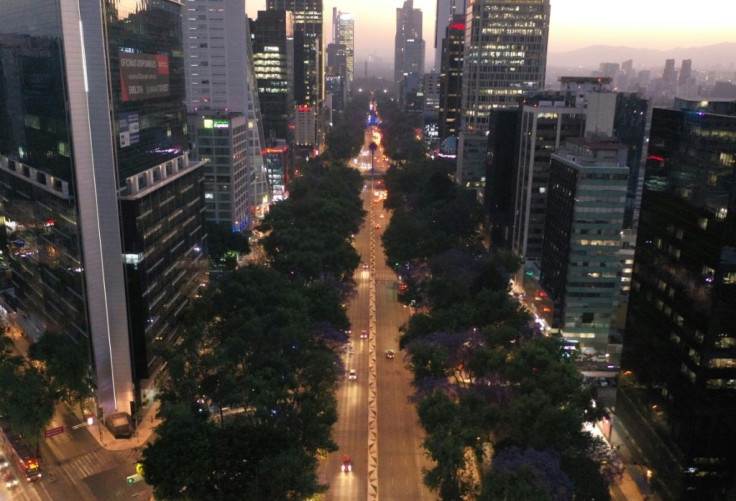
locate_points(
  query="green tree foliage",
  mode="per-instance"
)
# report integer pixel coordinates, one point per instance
(481, 375)
(251, 345)
(399, 139)
(431, 214)
(66, 365)
(346, 136)
(223, 244)
(26, 398)
(309, 235)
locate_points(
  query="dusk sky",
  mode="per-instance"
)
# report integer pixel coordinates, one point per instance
(652, 24)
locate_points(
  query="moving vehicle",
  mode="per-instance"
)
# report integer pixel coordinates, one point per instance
(347, 464)
(10, 480)
(390, 354)
(3, 463)
(352, 374)
(27, 464)
(364, 334)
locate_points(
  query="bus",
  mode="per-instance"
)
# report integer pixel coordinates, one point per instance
(25, 461)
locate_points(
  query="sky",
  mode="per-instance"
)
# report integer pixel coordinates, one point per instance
(652, 24)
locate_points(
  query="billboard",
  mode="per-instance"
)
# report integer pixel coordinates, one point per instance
(129, 129)
(143, 76)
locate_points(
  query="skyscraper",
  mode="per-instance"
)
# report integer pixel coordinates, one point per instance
(343, 26)
(273, 66)
(677, 399)
(221, 87)
(686, 73)
(451, 77)
(101, 206)
(669, 74)
(446, 11)
(308, 64)
(580, 266)
(408, 44)
(505, 55)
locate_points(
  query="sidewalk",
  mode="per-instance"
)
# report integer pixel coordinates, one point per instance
(141, 436)
(18, 324)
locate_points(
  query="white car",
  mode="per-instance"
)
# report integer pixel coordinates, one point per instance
(352, 374)
(3, 463)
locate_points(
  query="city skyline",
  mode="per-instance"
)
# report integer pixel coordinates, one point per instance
(574, 24)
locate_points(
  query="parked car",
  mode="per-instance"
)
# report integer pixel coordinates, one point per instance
(3, 463)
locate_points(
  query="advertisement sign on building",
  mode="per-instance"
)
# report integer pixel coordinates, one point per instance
(129, 129)
(143, 76)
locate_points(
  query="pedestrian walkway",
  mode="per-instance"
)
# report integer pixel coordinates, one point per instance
(633, 485)
(18, 326)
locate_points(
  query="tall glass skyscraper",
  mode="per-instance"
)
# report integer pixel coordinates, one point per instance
(505, 56)
(222, 100)
(309, 90)
(101, 209)
(678, 397)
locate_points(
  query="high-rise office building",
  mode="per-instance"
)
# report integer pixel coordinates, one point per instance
(408, 42)
(669, 75)
(101, 207)
(308, 63)
(547, 121)
(629, 127)
(336, 85)
(273, 65)
(505, 56)
(224, 110)
(678, 397)
(451, 77)
(343, 26)
(445, 14)
(431, 90)
(686, 73)
(581, 265)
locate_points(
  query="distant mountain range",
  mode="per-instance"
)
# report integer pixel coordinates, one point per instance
(712, 57)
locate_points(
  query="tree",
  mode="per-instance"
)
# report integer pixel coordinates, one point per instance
(223, 244)
(27, 403)
(66, 365)
(528, 474)
(252, 344)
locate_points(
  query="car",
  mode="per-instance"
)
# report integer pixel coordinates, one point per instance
(364, 334)
(347, 464)
(378, 226)
(10, 480)
(352, 374)
(3, 463)
(390, 354)
(365, 266)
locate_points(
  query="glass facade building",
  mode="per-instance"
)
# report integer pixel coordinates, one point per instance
(273, 66)
(92, 133)
(679, 400)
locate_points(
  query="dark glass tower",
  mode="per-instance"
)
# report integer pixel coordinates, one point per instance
(451, 77)
(273, 65)
(101, 209)
(679, 399)
(308, 48)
